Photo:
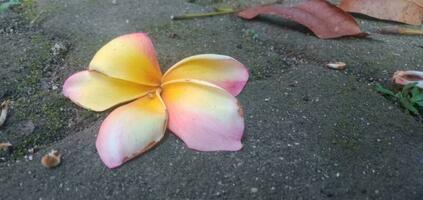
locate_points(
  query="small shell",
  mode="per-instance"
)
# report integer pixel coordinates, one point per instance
(5, 146)
(4, 108)
(337, 65)
(51, 159)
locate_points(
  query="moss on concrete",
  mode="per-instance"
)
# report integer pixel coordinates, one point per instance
(31, 89)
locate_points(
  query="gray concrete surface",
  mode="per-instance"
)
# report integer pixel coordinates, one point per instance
(311, 133)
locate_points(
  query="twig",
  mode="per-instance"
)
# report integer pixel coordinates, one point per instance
(198, 15)
(395, 30)
(36, 18)
(218, 11)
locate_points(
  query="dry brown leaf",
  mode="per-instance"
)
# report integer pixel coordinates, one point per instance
(51, 159)
(418, 2)
(5, 146)
(321, 17)
(4, 109)
(405, 11)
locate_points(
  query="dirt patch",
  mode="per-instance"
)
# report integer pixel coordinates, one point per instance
(30, 76)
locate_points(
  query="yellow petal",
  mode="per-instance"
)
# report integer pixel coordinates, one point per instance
(223, 71)
(95, 91)
(129, 57)
(131, 130)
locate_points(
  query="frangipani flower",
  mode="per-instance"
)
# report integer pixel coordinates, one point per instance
(407, 77)
(194, 98)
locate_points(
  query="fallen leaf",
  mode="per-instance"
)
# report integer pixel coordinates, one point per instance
(408, 77)
(337, 65)
(5, 146)
(51, 159)
(405, 11)
(4, 108)
(324, 19)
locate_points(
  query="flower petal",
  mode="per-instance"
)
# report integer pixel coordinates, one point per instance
(131, 130)
(407, 77)
(129, 57)
(95, 91)
(204, 116)
(220, 70)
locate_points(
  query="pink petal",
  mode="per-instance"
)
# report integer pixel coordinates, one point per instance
(407, 77)
(223, 71)
(204, 116)
(131, 130)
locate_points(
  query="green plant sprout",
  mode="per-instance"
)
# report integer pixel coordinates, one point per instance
(410, 97)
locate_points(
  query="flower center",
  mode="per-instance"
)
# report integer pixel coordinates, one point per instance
(151, 94)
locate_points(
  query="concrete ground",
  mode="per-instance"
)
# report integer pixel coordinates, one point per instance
(311, 132)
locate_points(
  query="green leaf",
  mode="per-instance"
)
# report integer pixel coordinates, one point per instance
(408, 87)
(383, 90)
(420, 103)
(417, 95)
(415, 91)
(408, 105)
(417, 98)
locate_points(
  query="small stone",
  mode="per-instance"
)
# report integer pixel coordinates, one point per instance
(32, 150)
(337, 65)
(254, 190)
(173, 35)
(58, 48)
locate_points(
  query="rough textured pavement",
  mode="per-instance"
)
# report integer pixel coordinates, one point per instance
(311, 133)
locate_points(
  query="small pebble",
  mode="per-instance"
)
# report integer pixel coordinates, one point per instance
(58, 48)
(337, 65)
